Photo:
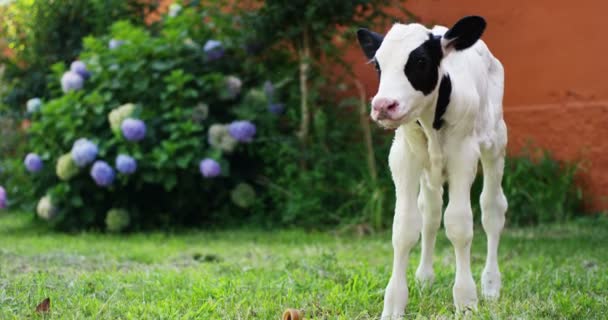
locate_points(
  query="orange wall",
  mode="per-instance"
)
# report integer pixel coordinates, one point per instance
(551, 49)
(556, 95)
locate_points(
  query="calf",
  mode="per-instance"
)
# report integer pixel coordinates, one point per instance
(441, 89)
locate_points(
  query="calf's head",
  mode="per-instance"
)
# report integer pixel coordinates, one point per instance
(408, 61)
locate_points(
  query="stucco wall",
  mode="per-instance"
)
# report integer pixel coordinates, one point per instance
(556, 95)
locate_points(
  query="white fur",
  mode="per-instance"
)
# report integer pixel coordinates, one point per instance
(422, 159)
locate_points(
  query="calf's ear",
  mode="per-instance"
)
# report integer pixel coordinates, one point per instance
(463, 34)
(369, 41)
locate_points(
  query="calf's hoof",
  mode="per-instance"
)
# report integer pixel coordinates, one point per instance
(425, 277)
(465, 296)
(490, 285)
(395, 316)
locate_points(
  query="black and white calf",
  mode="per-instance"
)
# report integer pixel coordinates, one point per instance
(442, 90)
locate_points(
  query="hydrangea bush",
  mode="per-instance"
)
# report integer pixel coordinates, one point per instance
(150, 130)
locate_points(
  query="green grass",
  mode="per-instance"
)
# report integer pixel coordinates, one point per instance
(555, 272)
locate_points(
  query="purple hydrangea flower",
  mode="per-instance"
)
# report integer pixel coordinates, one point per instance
(102, 173)
(113, 44)
(276, 108)
(32, 162)
(213, 49)
(84, 152)
(2, 198)
(80, 68)
(210, 168)
(133, 129)
(242, 131)
(125, 164)
(71, 81)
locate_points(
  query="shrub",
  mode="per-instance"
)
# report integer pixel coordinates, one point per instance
(37, 34)
(13, 174)
(41, 33)
(315, 31)
(318, 179)
(539, 189)
(164, 128)
(326, 184)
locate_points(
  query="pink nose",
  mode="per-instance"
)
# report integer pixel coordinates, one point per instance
(385, 105)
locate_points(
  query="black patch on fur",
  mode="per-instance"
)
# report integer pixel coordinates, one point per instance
(369, 41)
(465, 32)
(422, 67)
(443, 99)
(377, 66)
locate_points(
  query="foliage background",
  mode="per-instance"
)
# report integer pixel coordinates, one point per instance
(318, 164)
(41, 33)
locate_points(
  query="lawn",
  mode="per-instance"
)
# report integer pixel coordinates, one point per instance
(553, 272)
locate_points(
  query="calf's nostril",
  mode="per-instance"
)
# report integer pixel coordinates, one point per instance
(392, 106)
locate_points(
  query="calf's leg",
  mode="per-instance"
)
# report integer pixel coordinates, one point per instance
(405, 168)
(493, 207)
(458, 220)
(430, 203)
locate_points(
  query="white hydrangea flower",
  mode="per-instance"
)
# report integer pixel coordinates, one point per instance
(174, 9)
(233, 86)
(33, 105)
(45, 208)
(66, 168)
(200, 112)
(219, 137)
(118, 115)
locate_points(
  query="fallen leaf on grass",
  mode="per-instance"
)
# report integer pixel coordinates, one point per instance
(44, 306)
